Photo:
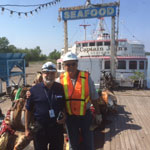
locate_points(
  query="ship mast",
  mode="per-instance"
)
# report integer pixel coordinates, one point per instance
(101, 29)
(85, 26)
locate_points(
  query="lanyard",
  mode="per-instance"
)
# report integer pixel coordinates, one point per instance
(52, 96)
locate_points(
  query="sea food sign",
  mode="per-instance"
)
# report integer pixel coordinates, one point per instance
(92, 12)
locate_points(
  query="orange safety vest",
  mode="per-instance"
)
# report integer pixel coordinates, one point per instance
(76, 96)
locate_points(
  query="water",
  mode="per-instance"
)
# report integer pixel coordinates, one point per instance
(148, 73)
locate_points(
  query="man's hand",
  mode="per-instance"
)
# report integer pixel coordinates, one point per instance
(98, 118)
(62, 120)
(28, 134)
(28, 94)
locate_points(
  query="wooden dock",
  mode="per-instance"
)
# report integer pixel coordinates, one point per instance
(130, 128)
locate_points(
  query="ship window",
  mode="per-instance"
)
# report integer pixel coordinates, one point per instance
(146, 65)
(107, 64)
(85, 44)
(108, 48)
(141, 65)
(92, 44)
(121, 64)
(78, 45)
(107, 43)
(133, 65)
(125, 48)
(99, 43)
(120, 48)
(101, 48)
(59, 66)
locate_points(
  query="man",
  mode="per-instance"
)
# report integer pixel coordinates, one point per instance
(79, 93)
(46, 101)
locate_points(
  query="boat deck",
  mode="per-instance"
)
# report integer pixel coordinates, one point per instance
(130, 128)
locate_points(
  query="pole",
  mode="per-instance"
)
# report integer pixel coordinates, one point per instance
(113, 50)
(84, 26)
(85, 33)
(65, 37)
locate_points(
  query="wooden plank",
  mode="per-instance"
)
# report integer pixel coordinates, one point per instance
(118, 141)
(124, 118)
(126, 133)
(136, 113)
(113, 133)
(145, 124)
(129, 124)
(107, 138)
(134, 131)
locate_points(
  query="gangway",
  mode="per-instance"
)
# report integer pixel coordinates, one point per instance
(9, 64)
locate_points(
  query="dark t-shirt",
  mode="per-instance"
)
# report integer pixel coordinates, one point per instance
(43, 99)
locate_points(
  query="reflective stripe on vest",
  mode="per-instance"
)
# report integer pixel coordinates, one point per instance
(76, 96)
(66, 93)
(82, 93)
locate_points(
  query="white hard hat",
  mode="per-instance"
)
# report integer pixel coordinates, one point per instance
(69, 56)
(49, 67)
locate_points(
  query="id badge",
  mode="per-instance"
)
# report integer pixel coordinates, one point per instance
(51, 113)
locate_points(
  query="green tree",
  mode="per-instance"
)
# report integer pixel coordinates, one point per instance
(137, 76)
(4, 44)
(31, 54)
(11, 49)
(54, 55)
(147, 53)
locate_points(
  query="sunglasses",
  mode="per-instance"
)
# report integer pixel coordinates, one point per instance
(69, 65)
(48, 72)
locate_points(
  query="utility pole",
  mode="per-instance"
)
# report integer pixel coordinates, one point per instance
(113, 48)
(65, 37)
(84, 26)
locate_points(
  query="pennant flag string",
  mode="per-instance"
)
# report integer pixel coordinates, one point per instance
(38, 7)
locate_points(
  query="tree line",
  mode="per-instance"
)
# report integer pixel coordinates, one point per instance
(31, 54)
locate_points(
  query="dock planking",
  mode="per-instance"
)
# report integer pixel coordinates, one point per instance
(129, 129)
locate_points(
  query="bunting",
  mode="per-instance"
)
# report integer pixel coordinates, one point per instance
(38, 7)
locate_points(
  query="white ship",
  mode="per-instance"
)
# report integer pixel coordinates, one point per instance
(94, 56)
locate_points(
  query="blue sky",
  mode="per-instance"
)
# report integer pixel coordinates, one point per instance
(43, 29)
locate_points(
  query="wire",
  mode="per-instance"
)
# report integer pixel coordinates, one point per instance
(14, 5)
(129, 31)
(73, 36)
(9, 5)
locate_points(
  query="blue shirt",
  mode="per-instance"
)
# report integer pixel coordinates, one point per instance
(43, 99)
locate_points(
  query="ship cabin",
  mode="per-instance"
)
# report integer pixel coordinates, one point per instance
(94, 56)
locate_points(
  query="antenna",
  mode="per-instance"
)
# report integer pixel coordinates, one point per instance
(85, 26)
(88, 2)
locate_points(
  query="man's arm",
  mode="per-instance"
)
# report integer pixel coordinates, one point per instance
(93, 95)
(28, 114)
(27, 122)
(94, 100)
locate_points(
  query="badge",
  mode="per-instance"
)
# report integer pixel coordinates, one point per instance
(51, 113)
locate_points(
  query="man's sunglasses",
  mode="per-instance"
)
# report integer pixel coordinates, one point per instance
(69, 65)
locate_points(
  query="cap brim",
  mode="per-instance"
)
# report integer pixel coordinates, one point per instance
(45, 70)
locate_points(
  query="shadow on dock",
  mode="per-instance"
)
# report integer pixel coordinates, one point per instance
(112, 125)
